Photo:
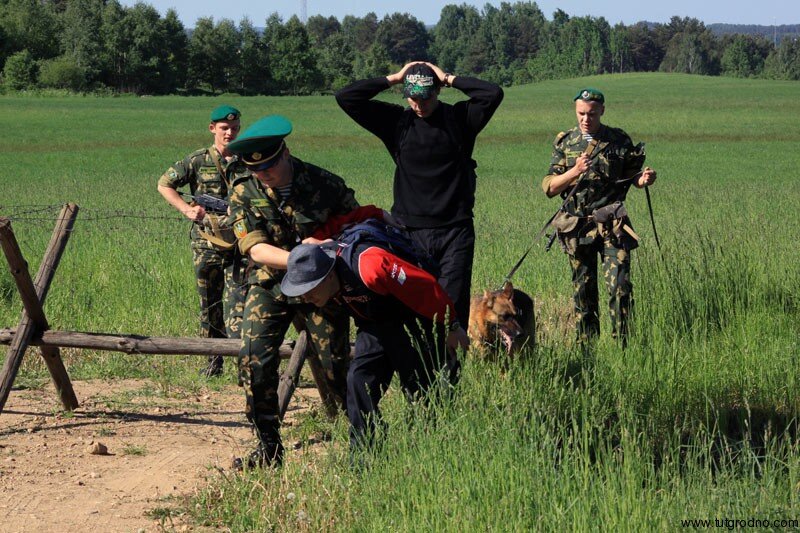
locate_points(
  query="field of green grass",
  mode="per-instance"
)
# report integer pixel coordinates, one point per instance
(697, 419)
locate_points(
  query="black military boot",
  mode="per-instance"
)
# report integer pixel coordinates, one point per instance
(266, 454)
(214, 367)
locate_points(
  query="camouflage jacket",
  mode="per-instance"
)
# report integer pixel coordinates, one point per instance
(199, 170)
(262, 216)
(614, 160)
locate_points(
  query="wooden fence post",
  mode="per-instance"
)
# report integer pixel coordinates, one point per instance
(33, 317)
(291, 376)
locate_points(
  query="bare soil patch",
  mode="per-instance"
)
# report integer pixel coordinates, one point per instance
(161, 448)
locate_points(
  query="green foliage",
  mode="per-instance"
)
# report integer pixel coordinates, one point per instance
(252, 74)
(360, 31)
(292, 60)
(403, 37)
(372, 63)
(690, 48)
(213, 54)
(744, 56)
(123, 49)
(576, 46)
(20, 71)
(784, 62)
(62, 73)
(453, 36)
(81, 36)
(29, 25)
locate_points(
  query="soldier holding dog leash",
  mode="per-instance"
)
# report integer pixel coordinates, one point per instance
(592, 168)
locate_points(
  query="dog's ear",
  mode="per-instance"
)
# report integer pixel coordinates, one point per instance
(508, 290)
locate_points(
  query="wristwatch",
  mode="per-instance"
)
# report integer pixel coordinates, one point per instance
(455, 325)
(447, 77)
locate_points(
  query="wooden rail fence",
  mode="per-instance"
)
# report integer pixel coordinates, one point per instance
(33, 330)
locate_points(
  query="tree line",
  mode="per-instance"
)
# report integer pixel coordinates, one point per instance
(102, 46)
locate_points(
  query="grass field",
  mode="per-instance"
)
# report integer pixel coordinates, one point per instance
(696, 420)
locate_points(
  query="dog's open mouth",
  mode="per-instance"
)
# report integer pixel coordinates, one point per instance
(508, 340)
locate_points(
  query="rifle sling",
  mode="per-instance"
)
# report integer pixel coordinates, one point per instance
(212, 152)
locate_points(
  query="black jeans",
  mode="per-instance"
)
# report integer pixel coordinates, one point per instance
(383, 348)
(453, 248)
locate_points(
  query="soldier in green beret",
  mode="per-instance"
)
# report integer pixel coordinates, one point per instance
(210, 171)
(289, 201)
(600, 163)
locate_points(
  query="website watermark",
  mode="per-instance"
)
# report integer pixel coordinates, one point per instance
(732, 523)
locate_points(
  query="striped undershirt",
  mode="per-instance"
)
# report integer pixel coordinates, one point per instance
(284, 190)
(588, 137)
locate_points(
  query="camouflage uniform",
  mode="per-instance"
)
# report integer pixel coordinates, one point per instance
(262, 216)
(614, 161)
(221, 297)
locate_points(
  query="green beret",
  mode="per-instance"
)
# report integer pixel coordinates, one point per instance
(225, 112)
(262, 140)
(590, 94)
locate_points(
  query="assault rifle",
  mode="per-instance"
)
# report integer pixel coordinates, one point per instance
(211, 204)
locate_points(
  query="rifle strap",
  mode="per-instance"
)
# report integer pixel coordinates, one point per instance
(214, 154)
(212, 237)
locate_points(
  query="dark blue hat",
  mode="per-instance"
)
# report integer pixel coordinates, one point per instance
(307, 266)
(225, 112)
(262, 141)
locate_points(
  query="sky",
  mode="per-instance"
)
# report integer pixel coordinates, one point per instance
(763, 12)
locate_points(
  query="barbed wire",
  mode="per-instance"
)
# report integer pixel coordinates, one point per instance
(49, 212)
(27, 213)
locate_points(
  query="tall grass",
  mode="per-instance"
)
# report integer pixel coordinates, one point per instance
(696, 419)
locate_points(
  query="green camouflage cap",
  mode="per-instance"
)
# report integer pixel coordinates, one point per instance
(590, 94)
(225, 112)
(262, 142)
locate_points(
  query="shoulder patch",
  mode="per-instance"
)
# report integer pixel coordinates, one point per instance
(240, 229)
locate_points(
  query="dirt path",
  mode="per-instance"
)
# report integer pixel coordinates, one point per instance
(159, 450)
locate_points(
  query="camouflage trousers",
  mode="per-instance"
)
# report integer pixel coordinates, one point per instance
(221, 297)
(267, 316)
(616, 273)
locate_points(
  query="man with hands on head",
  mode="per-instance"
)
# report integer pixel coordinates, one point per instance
(431, 143)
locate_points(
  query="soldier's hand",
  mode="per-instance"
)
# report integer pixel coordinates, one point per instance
(583, 163)
(312, 240)
(195, 213)
(647, 178)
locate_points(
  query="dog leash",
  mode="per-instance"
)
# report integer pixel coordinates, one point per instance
(590, 151)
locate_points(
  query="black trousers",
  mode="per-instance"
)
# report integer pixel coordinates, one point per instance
(453, 247)
(418, 356)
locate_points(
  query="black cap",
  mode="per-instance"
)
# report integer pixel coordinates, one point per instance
(420, 81)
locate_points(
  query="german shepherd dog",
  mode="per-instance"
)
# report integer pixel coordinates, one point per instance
(502, 319)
